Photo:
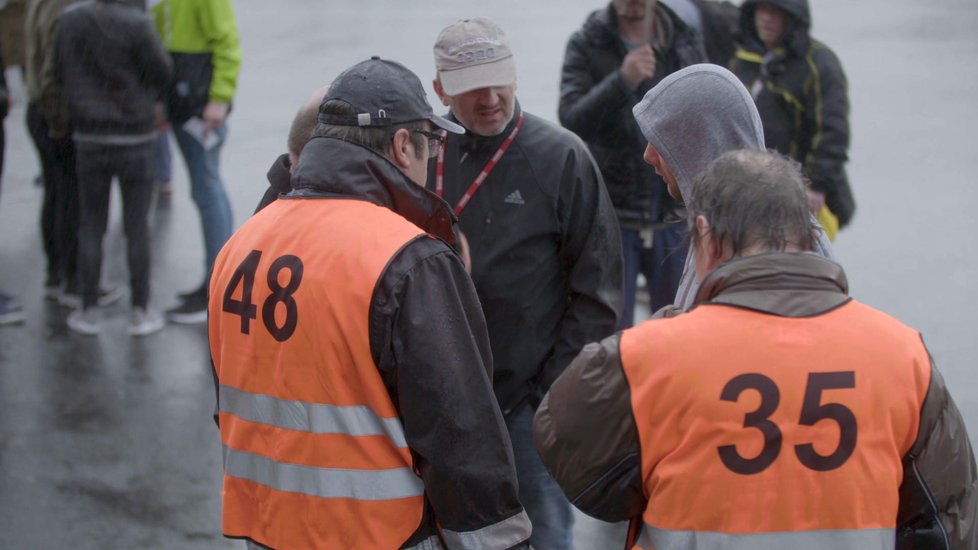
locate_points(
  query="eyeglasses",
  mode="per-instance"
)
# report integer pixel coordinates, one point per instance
(435, 141)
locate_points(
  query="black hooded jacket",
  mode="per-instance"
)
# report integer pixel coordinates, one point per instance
(596, 104)
(546, 250)
(802, 95)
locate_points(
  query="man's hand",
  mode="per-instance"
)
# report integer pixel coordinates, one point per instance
(816, 199)
(639, 65)
(214, 114)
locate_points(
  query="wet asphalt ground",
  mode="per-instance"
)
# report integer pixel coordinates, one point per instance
(108, 442)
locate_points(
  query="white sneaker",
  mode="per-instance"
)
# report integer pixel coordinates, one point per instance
(85, 321)
(10, 311)
(145, 322)
(106, 297)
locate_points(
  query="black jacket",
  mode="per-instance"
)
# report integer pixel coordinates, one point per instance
(110, 66)
(546, 251)
(428, 340)
(596, 104)
(279, 181)
(802, 96)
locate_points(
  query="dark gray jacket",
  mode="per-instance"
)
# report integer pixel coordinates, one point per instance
(596, 104)
(110, 66)
(587, 436)
(546, 251)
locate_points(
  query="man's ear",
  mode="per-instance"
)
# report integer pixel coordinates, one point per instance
(440, 91)
(402, 149)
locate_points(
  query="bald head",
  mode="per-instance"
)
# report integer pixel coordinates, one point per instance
(304, 123)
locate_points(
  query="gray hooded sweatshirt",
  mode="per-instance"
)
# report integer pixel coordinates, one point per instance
(692, 117)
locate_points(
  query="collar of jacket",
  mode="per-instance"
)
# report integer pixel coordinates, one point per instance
(474, 144)
(279, 176)
(780, 283)
(331, 167)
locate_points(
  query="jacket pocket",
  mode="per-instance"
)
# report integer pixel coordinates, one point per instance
(189, 90)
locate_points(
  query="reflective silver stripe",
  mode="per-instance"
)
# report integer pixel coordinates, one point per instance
(430, 543)
(506, 533)
(309, 417)
(863, 539)
(323, 482)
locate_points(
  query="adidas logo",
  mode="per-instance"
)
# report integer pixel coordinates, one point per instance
(514, 198)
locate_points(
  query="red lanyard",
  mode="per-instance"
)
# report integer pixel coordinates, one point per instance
(440, 170)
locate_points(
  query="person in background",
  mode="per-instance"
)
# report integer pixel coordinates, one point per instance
(621, 52)
(356, 410)
(11, 311)
(114, 130)
(802, 94)
(50, 132)
(778, 413)
(545, 246)
(202, 38)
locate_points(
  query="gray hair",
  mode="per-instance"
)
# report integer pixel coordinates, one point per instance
(754, 199)
(375, 138)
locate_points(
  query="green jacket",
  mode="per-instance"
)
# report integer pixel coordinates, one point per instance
(202, 37)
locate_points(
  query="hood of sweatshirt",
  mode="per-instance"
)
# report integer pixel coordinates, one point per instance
(695, 115)
(692, 117)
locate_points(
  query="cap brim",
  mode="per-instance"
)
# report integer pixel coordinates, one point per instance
(486, 75)
(446, 124)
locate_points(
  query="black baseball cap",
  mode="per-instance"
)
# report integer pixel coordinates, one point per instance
(383, 93)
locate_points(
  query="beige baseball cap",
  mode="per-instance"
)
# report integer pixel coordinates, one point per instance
(473, 53)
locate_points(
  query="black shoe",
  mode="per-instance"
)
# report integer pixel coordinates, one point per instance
(192, 311)
(195, 293)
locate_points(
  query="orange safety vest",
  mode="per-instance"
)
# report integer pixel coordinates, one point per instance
(314, 452)
(761, 431)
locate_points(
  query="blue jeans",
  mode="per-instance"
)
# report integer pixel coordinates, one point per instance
(662, 266)
(544, 502)
(207, 190)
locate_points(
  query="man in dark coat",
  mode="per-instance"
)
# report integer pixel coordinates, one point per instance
(802, 95)
(546, 257)
(622, 51)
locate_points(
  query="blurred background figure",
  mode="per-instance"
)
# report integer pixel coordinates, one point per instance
(622, 51)
(802, 94)
(111, 68)
(202, 38)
